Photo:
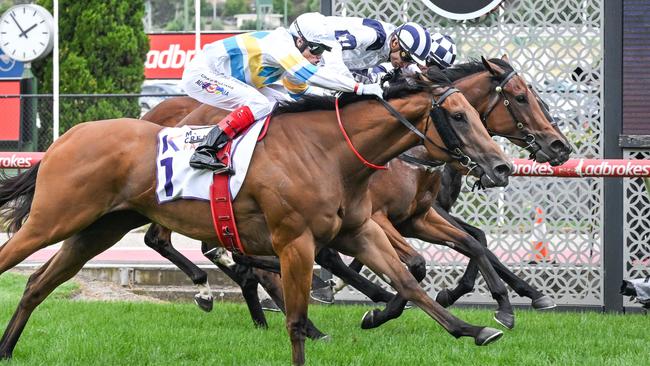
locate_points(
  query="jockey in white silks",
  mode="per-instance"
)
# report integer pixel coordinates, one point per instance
(235, 74)
(442, 55)
(367, 42)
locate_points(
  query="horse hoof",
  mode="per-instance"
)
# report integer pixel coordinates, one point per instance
(203, 303)
(443, 298)
(368, 320)
(5, 355)
(487, 336)
(324, 295)
(505, 319)
(543, 303)
(324, 338)
(269, 305)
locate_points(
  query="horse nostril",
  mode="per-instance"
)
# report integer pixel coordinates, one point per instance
(560, 146)
(503, 170)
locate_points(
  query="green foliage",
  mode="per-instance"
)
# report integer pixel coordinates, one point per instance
(102, 50)
(233, 7)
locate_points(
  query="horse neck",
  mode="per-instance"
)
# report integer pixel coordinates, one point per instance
(477, 89)
(377, 135)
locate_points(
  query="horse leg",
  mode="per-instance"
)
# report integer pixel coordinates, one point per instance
(437, 227)
(272, 283)
(370, 245)
(244, 277)
(521, 287)
(159, 238)
(297, 263)
(74, 253)
(414, 262)
(330, 259)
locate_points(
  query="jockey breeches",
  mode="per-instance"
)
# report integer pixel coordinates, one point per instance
(223, 91)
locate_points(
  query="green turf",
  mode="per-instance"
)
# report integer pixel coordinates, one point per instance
(65, 332)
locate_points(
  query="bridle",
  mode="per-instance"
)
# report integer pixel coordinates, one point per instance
(529, 139)
(442, 125)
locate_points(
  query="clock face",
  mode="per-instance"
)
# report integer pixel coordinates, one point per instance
(26, 32)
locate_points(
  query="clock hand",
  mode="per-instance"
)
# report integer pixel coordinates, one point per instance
(19, 27)
(24, 33)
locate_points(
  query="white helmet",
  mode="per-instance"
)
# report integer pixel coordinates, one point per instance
(414, 40)
(312, 27)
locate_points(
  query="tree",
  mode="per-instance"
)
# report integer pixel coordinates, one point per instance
(233, 7)
(102, 50)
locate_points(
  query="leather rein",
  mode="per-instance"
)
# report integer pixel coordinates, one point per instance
(449, 136)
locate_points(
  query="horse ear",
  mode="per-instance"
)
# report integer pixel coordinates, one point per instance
(505, 58)
(488, 66)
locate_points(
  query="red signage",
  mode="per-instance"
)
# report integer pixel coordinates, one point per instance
(19, 160)
(169, 52)
(578, 168)
(10, 107)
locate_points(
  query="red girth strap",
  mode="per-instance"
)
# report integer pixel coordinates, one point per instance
(237, 121)
(223, 217)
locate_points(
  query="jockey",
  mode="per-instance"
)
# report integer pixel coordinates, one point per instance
(442, 55)
(235, 74)
(368, 42)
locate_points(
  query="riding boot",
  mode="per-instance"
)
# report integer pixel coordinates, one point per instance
(205, 156)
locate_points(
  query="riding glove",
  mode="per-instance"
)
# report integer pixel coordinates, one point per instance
(371, 89)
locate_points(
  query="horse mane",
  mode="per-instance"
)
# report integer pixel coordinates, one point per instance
(474, 66)
(399, 86)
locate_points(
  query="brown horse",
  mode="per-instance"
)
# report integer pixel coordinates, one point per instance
(403, 196)
(306, 190)
(170, 111)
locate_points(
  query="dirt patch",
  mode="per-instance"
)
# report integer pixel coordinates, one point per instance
(94, 290)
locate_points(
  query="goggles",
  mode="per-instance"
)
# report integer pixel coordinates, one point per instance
(430, 62)
(316, 49)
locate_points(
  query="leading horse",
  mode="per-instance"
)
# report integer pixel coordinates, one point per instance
(403, 196)
(305, 191)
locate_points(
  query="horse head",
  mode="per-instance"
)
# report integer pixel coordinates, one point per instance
(512, 109)
(457, 127)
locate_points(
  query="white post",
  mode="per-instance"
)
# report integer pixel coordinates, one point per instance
(55, 74)
(197, 25)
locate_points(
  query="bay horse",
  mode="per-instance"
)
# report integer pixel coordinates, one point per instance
(305, 191)
(404, 195)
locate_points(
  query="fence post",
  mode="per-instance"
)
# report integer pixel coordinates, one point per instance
(326, 7)
(613, 214)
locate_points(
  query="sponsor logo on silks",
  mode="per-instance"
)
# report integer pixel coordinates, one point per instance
(212, 88)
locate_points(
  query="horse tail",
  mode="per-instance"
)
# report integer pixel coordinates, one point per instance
(16, 196)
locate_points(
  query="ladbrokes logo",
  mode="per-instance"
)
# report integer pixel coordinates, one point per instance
(15, 161)
(532, 168)
(605, 169)
(171, 58)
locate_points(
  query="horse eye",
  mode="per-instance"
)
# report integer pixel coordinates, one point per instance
(458, 116)
(521, 98)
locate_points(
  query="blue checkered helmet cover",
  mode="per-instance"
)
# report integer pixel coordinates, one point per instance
(414, 39)
(443, 51)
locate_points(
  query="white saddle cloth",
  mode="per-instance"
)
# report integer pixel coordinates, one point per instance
(177, 180)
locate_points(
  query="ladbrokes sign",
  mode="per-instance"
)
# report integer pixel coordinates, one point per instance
(461, 10)
(170, 52)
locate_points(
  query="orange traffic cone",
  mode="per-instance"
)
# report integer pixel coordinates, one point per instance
(540, 243)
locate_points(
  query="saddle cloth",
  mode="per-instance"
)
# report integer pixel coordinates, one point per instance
(175, 179)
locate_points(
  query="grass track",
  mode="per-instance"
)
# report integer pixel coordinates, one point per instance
(64, 332)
